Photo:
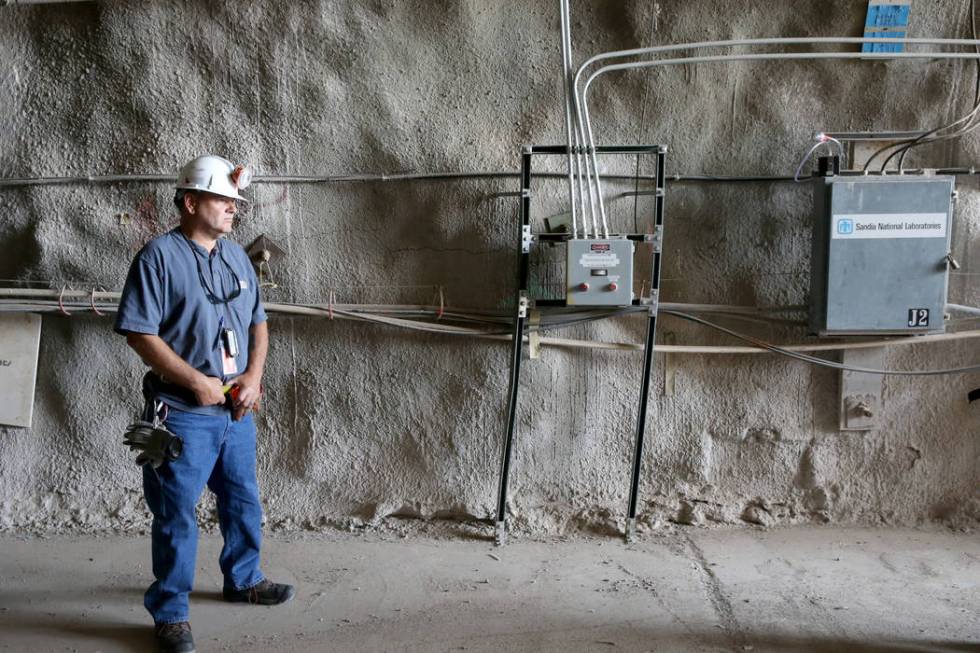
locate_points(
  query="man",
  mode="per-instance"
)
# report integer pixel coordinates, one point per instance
(190, 301)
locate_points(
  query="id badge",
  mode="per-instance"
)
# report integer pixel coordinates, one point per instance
(229, 352)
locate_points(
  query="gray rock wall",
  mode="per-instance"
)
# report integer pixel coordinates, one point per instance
(362, 422)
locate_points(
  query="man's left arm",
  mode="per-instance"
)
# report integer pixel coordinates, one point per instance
(250, 381)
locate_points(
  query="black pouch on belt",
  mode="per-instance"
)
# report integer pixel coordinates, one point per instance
(154, 384)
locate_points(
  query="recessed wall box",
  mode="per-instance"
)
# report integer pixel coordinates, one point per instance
(880, 247)
(20, 337)
(599, 272)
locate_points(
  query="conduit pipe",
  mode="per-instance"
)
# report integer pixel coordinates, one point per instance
(969, 310)
(570, 93)
(344, 311)
(566, 81)
(68, 300)
(504, 315)
(303, 179)
(38, 2)
(325, 311)
(434, 176)
(581, 98)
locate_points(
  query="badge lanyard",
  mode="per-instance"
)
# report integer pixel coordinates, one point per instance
(227, 340)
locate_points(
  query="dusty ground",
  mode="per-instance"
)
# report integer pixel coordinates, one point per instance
(801, 589)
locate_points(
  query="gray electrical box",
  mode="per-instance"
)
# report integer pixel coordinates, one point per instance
(880, 248)
(599, 272)
(20, 337)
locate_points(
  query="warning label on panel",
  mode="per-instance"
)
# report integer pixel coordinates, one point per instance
(889, 225)
(599, 260)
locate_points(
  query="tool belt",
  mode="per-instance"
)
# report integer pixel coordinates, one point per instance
(154, 384)
(148, 435)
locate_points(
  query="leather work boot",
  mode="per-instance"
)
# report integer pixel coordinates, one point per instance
(175, 638)
(265, 593)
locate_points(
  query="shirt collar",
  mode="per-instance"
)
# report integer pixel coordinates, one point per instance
(196, 246)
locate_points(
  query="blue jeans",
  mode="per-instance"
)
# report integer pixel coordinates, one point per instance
(218, 452)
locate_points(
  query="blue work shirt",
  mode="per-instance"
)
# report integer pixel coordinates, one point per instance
(177, 290)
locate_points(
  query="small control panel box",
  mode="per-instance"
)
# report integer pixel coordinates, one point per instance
(880, 261)
(599, 272)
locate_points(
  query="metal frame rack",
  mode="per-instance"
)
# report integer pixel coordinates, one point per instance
(525, 302)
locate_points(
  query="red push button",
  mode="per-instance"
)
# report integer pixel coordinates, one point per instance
(613, 286)
(583, 286)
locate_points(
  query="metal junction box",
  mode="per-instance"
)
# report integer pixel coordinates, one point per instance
(599, 272)
(880, 248)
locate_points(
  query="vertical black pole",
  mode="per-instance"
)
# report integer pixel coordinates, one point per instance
(524, 249)
(653, 304)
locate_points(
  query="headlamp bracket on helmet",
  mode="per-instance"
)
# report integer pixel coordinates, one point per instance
(241, 176)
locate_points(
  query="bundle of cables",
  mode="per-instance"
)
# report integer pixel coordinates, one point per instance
(953, 130)
(498, 324)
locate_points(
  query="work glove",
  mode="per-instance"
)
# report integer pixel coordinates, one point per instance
(154, 442)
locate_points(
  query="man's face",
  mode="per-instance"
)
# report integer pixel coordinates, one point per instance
(212, 213)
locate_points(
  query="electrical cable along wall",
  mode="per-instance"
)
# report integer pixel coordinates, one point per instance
(858, 285)
(394, 312)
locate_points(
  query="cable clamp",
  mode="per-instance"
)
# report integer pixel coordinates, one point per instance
(442, 304)
(526, 193)
(61, 301)
(656, 238)
(526, 238)
(330, 306)
(652, 302)
(523, 303)
(534, 336)
(92, 303)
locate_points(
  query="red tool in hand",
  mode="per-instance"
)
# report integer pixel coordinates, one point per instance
(231, 398)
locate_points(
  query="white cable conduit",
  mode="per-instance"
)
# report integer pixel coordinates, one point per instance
(38, 2)
(81, 302)
(743, 57)
(969, 310)
(566, 81)
(10, 182)
(575, 142)
(570, 92)
(581, 98)
(344, 311)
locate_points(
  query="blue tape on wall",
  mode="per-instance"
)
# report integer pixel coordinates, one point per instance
(886, 19)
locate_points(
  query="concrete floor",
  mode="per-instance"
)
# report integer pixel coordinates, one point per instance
(801, 589)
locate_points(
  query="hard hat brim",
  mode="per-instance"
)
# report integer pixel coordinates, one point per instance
(198, 189)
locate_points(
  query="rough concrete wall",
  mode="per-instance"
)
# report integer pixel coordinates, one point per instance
(363, 422)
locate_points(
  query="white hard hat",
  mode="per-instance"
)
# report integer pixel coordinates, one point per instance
(213, 174)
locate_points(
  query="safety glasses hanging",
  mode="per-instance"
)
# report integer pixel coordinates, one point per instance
(236, 285)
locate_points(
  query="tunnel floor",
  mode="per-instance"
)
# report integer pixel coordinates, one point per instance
(680, 589)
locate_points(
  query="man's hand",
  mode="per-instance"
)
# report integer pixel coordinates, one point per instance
(208, 391)
(249, 394)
